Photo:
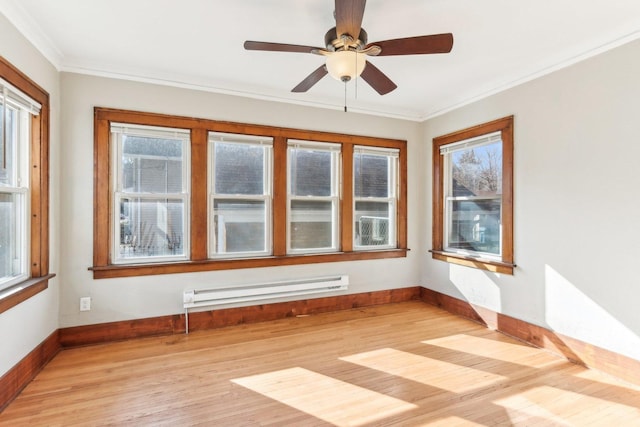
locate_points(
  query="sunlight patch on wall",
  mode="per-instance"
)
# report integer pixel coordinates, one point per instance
(323, 397)
(569, 311)
(436, 373)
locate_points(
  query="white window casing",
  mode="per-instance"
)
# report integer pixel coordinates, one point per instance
(447, 151)
(375, 232)
(221, 238)
(15, 143)
(333, 198)
(471, 143)
(162, 200)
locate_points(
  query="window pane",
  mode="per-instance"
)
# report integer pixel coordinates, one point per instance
(239, 168)
(310, 172)
(151, 165)
(475, 225)
(477, 171)
(11, 262)
(8, 149)
(151, 227)
(311, 225)
(239, 226)
(371, 175)
(372, 224)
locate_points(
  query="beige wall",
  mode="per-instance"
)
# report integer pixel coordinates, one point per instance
(25, 326)
(128, 298)
(577, 242)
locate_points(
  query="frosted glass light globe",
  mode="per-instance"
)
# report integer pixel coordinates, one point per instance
(345, 65)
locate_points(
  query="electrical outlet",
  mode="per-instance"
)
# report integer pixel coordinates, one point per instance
(85, 303)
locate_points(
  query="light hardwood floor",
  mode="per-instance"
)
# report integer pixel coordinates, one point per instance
(397, 364)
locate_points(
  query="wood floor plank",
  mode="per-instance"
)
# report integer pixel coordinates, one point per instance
(397, 364)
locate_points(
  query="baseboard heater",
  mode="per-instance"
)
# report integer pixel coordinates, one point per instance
(260, 291)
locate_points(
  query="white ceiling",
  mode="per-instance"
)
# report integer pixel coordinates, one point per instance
(199, 44)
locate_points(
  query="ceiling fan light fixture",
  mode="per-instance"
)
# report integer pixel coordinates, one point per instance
(345, 65)
(345, 54)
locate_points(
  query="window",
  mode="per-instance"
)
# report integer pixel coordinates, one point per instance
(14, 187)
(240, 193)
(151, 198)
(176, 194)
(24, 187)
(313, 197)
(473, 193)
(375, 180)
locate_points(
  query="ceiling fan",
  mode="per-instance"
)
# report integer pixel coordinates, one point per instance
(346, 49)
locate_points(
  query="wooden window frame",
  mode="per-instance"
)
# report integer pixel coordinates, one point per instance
(506, 264)
(38, 189)
(200, 261)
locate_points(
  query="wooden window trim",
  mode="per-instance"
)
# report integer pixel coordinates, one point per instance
(39, 190)
(104, 268)
(24, 290)
(506, 264)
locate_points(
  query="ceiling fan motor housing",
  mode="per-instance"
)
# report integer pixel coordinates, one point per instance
(346, 42)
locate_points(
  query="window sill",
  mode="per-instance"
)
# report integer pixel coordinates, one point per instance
(16, 294)
(130, 270)
(480, 263)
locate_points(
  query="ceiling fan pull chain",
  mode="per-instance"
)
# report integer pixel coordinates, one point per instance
(345, 96)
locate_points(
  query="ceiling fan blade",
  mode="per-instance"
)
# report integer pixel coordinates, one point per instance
(349, 15)
(311, 79)
(436, 43)
(377, 79)
(279, 47)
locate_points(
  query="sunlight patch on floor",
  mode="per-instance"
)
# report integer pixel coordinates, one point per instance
(596, 376)
(576, 408)
(523, 411)
(499, 350)
(435, 373)
(451, 421)
(323, 397)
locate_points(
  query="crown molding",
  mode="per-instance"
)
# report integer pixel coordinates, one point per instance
(604, 47)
